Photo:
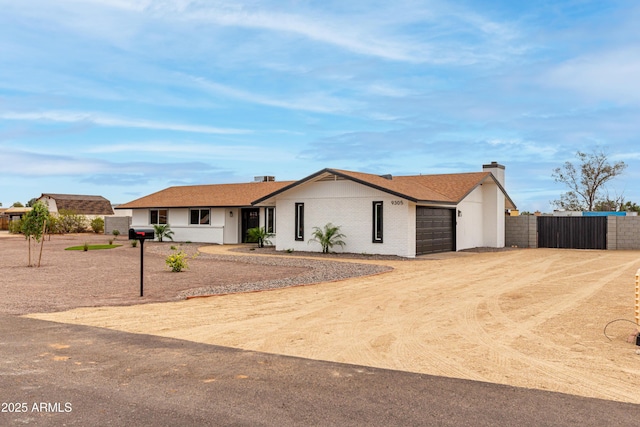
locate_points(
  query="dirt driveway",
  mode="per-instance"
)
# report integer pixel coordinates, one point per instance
(528, 318)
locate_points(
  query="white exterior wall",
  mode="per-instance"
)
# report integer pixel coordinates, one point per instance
(493, 215)
(231, 231)
(482, 221)
(349, 205)
(220, 226)
(470, 226)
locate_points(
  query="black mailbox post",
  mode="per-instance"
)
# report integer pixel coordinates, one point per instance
(141, 234)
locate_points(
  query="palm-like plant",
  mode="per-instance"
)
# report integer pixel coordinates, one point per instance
(259, 235)
(163, 231)
(328, 237)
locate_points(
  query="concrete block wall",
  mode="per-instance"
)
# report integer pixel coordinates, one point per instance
(627, 232)
(120, 223)
(521, 231)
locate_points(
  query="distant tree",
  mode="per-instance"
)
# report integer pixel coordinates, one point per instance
(31, 202)
(34, 226)
(630, 207)
(586, 180)
(17, 205)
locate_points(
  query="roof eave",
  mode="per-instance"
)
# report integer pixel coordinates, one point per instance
(337, 173)
(504, 192)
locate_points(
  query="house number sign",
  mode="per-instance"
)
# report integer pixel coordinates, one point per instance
(397, 202)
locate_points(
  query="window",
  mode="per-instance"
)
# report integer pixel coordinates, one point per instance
(299, 221)
(377, 222)
(199, 217)
(158, 216)
(270, 220)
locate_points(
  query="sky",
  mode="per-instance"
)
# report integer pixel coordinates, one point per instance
(122, 98)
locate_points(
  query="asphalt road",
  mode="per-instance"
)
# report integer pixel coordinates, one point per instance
(66, 375)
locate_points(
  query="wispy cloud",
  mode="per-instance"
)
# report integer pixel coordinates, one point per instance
(601, 76)
(100, 119)
(317, 102)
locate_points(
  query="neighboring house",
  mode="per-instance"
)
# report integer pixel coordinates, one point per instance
(218, 213)
(394, 215)
(89, 206)
(11, 214)
(15, 213)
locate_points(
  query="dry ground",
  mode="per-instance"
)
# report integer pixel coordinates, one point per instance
(70, 279)
(529, 318)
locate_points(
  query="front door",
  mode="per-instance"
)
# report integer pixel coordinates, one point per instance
(250, 219)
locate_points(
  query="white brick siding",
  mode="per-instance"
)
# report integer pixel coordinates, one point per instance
(349, 205)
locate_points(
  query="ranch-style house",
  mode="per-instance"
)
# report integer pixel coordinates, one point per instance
(391, 215)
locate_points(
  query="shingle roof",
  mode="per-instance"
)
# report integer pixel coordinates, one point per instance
(81, 204)
(442, 188)
(213, 195)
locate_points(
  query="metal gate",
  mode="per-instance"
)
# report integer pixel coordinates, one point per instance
(572, 232)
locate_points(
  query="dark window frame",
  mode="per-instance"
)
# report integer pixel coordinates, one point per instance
(377, 222)
(270, 220)
(207, 216)
(158, 216)
(299, 224)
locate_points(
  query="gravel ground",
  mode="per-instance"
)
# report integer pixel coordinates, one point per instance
(314, 271)
(70, 279)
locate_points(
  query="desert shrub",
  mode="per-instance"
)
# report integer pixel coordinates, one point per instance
(177, 261)
(134, 243)
(97, 225)
(70, 222)
(15, 226)
(53, 225)
(115, 233)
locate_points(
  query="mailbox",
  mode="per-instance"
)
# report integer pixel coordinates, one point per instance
(141, 234)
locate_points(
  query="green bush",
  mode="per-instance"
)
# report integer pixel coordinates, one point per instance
(134, 243)
(259, 235)
(70, 222)
(177, 261)
(97, 225)
(53, 225)
(15, 226)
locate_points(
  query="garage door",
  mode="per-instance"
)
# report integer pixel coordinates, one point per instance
(435, 230)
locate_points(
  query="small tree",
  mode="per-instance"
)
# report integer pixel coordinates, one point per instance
(163, 231)
(328, 237)
(34, 225)
(17, 205)
(259, 235)
(586, 181)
